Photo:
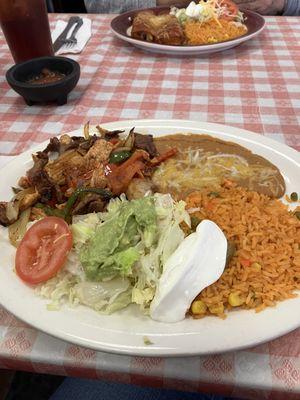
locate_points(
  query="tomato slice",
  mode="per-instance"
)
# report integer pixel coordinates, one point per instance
(232, 9)
(43, 250)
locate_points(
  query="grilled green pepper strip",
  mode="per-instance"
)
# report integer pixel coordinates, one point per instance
(117, 157)
(50, 211)
(105, 194)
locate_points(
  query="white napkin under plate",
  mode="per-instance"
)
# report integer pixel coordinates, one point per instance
(82, 36)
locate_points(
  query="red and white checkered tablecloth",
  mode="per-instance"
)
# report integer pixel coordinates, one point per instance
(254, 86)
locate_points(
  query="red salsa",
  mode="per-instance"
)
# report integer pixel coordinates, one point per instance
(46, 76)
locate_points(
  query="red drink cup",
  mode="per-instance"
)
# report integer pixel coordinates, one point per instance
(26, 28)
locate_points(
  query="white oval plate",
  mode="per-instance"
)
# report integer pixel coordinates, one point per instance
(124, 332)
(121, 27)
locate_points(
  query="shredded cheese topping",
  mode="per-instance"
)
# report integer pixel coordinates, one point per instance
(199, 169)
(204, 11)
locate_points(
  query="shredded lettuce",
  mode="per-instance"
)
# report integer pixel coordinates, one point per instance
(106, 297)
(84, 228)
(148, 269)
(58, 289)
(119, 255)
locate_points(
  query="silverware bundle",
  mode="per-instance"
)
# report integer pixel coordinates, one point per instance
(63, 39)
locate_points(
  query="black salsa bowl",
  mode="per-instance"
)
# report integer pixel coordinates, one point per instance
(18, 76)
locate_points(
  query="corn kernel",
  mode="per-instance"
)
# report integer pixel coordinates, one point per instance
(217, 309)
(198, 307)
(234, 300)
(256, 266)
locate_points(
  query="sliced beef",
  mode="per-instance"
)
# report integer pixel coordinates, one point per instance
(79, 143)
(90, 203)
(39, 178)
(53, 146)
(145, 142)
(3, 218)
(109, 134)
(84, 147)
(66, 142)
(24, 182)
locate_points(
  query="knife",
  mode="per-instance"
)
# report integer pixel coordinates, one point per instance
(59, 42)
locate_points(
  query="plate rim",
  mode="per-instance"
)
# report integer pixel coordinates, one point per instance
(151, 351)
(185, 49)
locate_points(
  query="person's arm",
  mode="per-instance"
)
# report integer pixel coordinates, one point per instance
(116, 6)
(271, 7)
(292, 7)
(265, 7)
(179, 3)
(119, 6)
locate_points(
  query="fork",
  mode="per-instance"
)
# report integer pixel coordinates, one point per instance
(72, 41)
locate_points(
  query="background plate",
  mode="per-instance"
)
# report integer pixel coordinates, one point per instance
(124, 332)
(120, 25)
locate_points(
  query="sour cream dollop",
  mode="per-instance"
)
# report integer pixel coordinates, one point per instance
(194, 10)
(198, 262)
